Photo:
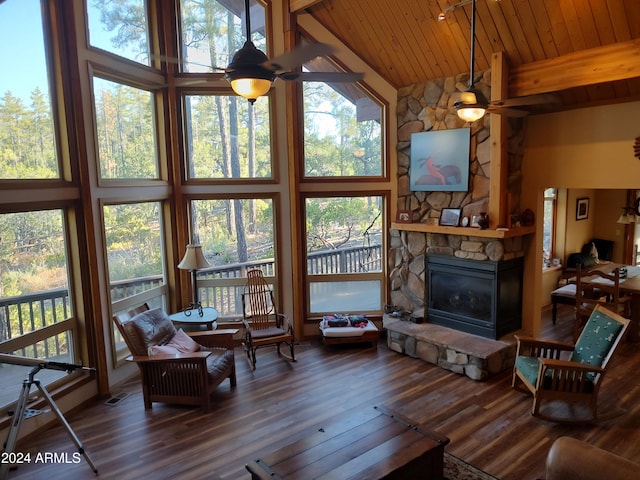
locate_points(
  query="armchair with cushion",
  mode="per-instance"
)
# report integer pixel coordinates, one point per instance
(569, 374)
(176, 367)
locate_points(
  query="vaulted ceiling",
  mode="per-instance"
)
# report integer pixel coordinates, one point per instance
(556, 44)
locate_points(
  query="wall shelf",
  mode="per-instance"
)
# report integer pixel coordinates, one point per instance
(467, 231)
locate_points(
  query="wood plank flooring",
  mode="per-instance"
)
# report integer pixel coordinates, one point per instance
(488, 423)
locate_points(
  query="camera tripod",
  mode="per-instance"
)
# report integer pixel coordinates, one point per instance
(21, 411)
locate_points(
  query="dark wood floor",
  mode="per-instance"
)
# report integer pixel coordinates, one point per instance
(488, 423)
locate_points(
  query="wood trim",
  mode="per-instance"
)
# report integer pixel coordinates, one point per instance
(498, 196)
(297, 5)
(613, 62)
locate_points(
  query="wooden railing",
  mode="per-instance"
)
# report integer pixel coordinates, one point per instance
(23, 314)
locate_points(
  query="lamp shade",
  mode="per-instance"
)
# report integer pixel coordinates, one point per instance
(193, 259)
(472, 105)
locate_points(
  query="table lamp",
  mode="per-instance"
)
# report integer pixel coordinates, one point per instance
(194, 260)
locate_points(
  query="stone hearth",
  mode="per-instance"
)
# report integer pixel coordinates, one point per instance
(476, 357)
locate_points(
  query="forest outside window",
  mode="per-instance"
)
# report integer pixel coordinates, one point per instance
(344, 254)
(125, 124)
(342, 128)
(135, 259)
(236, 234)
(36, 310)
(227, 137)
(27, 136)
(120, 28)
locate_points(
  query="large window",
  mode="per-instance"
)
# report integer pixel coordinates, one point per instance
(135, 259)
(126, 131)
(120, 28)
(227, 137)
(236, 234)
(344, 254)
(27, 142)
(342, 129)
(213, 31)
(36, 312)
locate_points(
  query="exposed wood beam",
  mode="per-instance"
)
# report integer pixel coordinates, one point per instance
(619, 61)
(499, 199)
(297, 5)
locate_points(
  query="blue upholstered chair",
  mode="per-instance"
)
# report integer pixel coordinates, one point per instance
(571, 374)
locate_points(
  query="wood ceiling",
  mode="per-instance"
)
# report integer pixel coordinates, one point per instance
(405, 43)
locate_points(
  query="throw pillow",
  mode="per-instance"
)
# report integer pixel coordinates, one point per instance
(183, 343)
(163, 350)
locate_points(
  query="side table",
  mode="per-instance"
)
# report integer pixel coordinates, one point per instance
(208, 318)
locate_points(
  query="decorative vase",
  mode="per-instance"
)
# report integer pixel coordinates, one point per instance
(483, 221)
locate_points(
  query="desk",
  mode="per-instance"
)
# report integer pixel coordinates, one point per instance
(208, 318)
(371, 443)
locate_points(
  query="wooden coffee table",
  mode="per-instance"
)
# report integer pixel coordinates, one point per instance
(371, 443)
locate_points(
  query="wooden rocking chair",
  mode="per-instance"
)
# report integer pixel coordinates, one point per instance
(263, 325)
(541, 368)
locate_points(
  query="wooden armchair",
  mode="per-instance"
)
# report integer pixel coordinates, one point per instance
(596, 287)
(571, 374)
(176, 367)
(263, 325)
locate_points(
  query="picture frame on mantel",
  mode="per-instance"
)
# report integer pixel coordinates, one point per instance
(440, 160)
(404, 216)
(582, 208)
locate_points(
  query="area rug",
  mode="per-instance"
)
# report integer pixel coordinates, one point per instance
(456, 469)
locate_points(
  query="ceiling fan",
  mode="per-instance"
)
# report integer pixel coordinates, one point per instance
(473, 105)
(251, 73)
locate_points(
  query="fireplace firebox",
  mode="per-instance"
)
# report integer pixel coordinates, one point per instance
(481, 297)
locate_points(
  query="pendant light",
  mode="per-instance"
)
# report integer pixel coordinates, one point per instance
(472, 105)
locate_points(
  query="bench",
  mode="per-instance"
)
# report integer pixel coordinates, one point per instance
(349, 334)
(565, 295)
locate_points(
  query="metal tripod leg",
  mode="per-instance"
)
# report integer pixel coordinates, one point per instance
(19, 414)
(64, 422)
(12, 437)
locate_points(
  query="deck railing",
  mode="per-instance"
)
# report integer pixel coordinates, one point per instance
(23, 314)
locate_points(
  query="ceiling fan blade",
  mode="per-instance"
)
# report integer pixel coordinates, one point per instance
(509, 112)
(327, 77)
(298, 56)
(543, 98)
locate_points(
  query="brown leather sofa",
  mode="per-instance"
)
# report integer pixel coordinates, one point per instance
(572, 459)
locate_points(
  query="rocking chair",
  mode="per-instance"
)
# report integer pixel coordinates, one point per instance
(263, 325)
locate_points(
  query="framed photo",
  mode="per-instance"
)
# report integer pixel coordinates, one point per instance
(404, 216)
(450, 217)
(440, 160)
(582, 208)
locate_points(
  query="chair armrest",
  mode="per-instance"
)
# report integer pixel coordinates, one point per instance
(215, 338)
(566, 365)
(532, 347)
(167, 357)
(282, 321)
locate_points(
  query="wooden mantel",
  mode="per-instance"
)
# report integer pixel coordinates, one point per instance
(467, 231)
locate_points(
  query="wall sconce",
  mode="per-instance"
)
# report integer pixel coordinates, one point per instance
(194, 260)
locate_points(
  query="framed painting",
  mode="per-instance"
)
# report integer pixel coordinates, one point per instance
(440, 160)
(582, 208)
